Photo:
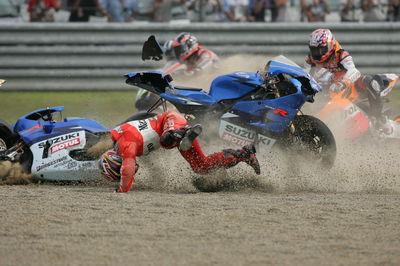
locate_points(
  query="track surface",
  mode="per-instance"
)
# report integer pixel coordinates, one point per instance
(88, 225)
(345, 217)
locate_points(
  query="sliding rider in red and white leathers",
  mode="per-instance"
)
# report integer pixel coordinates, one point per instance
(167, 130)
(326, 55)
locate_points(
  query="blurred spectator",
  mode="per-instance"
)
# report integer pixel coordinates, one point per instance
(211, 10)
(167, 10)
(315, 11)
(81, 10)
(145, 10)
(131, 10)
(42, 10)
(372, 11)
(236, 10)
(257, 9)
(9, 9)
(120, 10)
(394, 10)
(115, 8)
(279, 10)
(18, 4)
(179, 10)
(350, 11)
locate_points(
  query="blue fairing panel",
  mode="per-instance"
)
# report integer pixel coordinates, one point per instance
(195, 95)
(235, 85)
(36, 132)
(194, 98)
(24, 123)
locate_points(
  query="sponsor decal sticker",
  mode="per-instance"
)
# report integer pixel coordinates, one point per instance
(142, 125)
(240, 136)
(40, 167)
(281, 112)
(235, 139)
(59, 139)
(65, 145)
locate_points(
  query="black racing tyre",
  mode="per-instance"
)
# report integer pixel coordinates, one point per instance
(312, 140)
(7, 138)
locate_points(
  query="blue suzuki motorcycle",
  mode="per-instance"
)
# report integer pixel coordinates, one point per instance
(52, 148)
(259, 108)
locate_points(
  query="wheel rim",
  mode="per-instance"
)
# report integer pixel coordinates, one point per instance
(3, 145)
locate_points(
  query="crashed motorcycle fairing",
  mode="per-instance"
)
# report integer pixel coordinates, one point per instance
(55, 150)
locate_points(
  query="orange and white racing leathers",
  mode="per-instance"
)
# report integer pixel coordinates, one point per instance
(342, 66)
(140, 137)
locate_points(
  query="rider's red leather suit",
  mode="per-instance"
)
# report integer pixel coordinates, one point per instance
(141, 137)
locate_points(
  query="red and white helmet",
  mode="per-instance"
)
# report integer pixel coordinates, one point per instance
(184, 45)
(110, 165)
(322, 44)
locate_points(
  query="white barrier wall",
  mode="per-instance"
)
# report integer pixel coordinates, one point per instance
(75, 56)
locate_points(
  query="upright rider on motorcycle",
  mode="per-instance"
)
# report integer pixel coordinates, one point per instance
(326, 55)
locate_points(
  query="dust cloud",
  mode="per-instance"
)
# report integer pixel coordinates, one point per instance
(357, 169)
(13, 174)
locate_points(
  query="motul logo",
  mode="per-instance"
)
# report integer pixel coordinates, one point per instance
(65, 145)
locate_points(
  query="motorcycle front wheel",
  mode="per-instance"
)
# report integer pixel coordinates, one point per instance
(6, 136)
(310, 140)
